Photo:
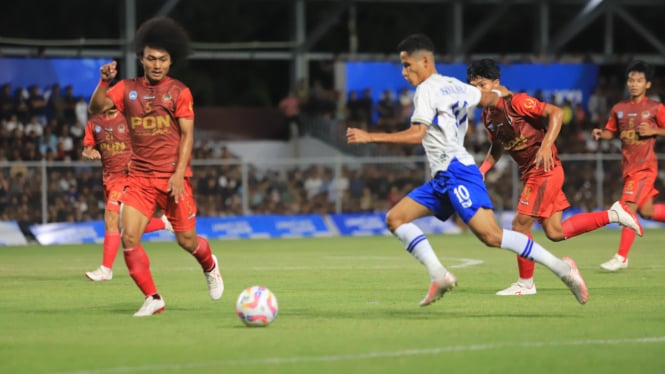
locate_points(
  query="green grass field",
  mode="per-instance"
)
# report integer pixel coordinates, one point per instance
(347, 305)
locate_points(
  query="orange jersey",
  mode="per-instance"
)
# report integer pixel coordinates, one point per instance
(518, 124)
(110, 136)
(637, 151)
(152, 113)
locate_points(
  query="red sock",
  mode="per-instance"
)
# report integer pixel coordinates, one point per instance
(155, 224)
(627, 239)
(526, 267)
(659, 212)
(111, 245)
(203, 255)
(584, 222)
(138, 264)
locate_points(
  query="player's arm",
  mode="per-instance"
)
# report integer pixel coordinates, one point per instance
(491, 98)
(413, 135)
(544, 155)
(99, 101)
(177, 180)
(645, 130)
(89, 152)
(493, 155)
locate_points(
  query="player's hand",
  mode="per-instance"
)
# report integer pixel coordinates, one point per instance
(91, 154)
(596, 133)
(545, 157)
(177, 187)
(109, 71)
(645, 130)
(355, 135)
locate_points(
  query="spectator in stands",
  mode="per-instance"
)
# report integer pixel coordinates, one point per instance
(48, 141)
(289, 107)
(37, 104)
(21, 107)
(14, 123)
(6, 101)
(33, 129)
(81, 110)
(70, 104)
(56, 104)
(388, 112)
(597, 107)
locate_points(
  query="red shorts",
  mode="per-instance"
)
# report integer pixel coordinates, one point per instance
(543, 195)
(114, 187)
(144, 193)
(638, 188)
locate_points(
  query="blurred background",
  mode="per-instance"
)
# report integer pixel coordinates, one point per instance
(276, 83)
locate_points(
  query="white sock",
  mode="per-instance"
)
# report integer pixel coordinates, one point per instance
(527, 248)
(418, 246)
(526, 282)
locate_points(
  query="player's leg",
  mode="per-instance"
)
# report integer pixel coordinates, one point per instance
(421, 202)
(638, 194)
(113, 192)
(524, 285)
(138, 205)
(183, 219)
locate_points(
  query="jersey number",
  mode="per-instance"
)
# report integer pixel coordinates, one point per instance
(463, 196)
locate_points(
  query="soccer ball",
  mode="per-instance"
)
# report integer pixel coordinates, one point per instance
(256, 306)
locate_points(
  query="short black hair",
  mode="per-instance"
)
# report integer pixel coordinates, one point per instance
(640, 67)
(162, 33)
(416, 42)
(485, 68)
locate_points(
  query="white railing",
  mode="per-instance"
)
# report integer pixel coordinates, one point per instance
(42, 192)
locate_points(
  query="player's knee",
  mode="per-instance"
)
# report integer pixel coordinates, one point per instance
(393, 220)
(188, 241)
(491, 238)
(129, 238)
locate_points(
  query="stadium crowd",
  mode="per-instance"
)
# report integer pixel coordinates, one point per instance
(49, 125)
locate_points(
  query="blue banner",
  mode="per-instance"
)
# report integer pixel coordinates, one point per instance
(11, 234)
(573, 81)
(81, 73)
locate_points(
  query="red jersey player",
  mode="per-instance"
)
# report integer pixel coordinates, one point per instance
(160, 117)
(637, 121)
(107, 138)
(527, 128)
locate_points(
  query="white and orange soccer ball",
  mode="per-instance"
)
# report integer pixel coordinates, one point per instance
(257, 306)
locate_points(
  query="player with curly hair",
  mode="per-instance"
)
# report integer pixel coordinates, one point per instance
(160, 116)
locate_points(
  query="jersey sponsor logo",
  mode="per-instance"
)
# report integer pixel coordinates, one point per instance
(148, 97)
(632, 114)
(151, 125)
(529, 103)
(133, 95)
(108, 129)
(113, 148)
(516, 144)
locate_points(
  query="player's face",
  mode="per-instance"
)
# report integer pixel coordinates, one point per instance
(484, 84)
(637, 84)
(414, 67)
(156, 64)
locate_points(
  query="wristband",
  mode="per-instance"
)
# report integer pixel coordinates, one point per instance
(497, 92)
(103, 83)
(485, 167)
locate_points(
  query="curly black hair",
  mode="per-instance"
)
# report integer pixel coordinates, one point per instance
(162, 33)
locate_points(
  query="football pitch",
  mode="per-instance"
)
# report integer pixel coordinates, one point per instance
(347, 305)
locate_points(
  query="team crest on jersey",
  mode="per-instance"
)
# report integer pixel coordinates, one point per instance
(166, 97)
(646, 114)
(98, 129)
(121, 128)
(133, 95)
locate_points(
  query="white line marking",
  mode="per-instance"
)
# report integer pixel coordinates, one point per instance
(370, 355)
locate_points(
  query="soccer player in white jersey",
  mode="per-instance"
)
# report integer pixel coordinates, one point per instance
(440, 122)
